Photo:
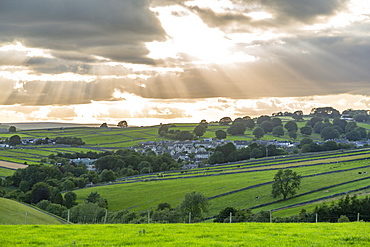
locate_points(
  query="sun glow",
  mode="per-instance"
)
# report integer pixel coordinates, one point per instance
(30, 52)
(200, 42)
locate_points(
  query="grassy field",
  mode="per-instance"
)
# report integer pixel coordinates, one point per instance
(4, 172)
(241, 234)
(320, 180)
(14, 213)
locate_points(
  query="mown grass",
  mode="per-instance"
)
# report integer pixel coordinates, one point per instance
(239, 234)
(14, 213)
(4, 172)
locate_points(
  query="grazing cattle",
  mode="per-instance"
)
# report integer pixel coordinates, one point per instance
(360, 173)
(257, 197)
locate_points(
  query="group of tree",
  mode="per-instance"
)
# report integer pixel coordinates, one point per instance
(69, 140)
(229, 153)
(182, 135)
(308, 145)
(335, 129)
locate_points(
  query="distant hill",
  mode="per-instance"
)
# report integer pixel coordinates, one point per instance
(14, 213)
(47, 125)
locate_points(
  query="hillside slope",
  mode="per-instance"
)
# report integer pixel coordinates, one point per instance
(14, 213)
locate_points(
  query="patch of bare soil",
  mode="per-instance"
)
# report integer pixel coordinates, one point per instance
(12, 165)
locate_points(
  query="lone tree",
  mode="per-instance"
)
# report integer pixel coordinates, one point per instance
(195, 203)
(285, 183)
(199, 130)
(122, 124)
(14, 140)
(225, 121)
(104, 125)
(220, 134)
(258, 132)
(12, 129)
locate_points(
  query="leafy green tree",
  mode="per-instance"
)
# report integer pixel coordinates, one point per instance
(217, 158)
(329, 133)
(361, 131)
(306, 130)
(237, 128)
(291, 126)
(12, 129)
(199, 130)
(196, 204)
(224, 214)
(56, 197)
(68, 185)
(266, 126)
(163, 129)
(220, 134)
(14, 140)
(110, 162)
(263, 118)
(250, 124)
(276, 122)
(305, 140)
(107, 175)
(40, 191)
(318, 127)
(104, 125)
(278, 131)
(163, 206)
(285, 184)
(340, 123)
(360, 118)
(350, 126)
(297, 115)
(293, 134)
(23, 186)
(329, 145)
(314, 120)
(258, 132)
(353, 136)
(70, 199)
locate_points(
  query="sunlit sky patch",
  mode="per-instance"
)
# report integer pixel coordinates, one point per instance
(167, 61)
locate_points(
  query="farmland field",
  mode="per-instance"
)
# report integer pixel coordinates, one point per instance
(204, 234)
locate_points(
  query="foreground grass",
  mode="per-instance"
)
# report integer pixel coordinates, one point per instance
(13, 213)
(241, 234)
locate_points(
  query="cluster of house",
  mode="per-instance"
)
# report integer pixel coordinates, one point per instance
(196, 151)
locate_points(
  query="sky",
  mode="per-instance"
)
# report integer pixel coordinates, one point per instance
(168, 61)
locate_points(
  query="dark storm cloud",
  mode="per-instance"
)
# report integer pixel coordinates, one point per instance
(113, 29)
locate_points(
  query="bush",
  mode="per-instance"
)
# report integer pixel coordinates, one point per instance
(343, 219)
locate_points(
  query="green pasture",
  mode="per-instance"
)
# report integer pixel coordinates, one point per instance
(15, 213)
(4, 172)
(143, 195)
(203, 234)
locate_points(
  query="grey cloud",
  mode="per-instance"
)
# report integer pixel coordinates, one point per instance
(113, 29)
(303, 10)
(285, 12)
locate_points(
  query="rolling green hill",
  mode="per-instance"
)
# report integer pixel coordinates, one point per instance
(238, 185)
(15, 213)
